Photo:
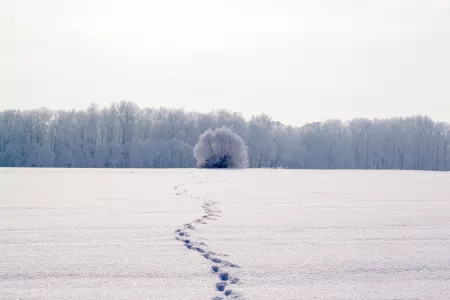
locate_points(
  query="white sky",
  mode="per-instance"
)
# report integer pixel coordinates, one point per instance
(298, 61)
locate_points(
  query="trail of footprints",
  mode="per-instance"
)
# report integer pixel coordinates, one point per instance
(219, 266)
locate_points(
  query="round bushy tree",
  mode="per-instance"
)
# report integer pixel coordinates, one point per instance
(221, 148)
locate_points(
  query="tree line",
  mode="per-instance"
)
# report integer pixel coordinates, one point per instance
(124, 135)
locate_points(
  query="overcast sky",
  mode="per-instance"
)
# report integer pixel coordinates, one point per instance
(298, 61)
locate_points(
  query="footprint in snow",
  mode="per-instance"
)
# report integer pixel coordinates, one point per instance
(212, 212)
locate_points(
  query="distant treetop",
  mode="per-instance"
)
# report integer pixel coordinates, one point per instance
(124, 135)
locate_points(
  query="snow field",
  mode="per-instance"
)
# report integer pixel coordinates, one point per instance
(224, 234)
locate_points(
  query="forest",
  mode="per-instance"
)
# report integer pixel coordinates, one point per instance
(123, 135)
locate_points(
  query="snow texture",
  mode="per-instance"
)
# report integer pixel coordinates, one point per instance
(202, 234)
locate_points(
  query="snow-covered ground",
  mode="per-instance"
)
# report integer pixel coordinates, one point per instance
(272, 234)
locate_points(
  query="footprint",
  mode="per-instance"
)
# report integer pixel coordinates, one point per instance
(221, 286)
(230, 264)
(199, 249)
(215, 269)
(211, 212)
(189, 226)
(224, 276)
(234, 280)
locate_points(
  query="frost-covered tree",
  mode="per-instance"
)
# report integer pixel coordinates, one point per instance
(125, 135)
(221, 148)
